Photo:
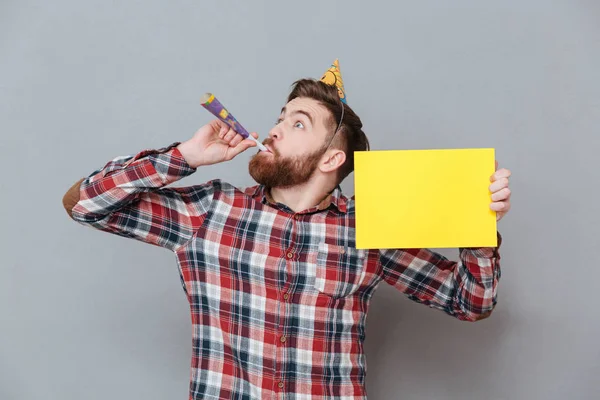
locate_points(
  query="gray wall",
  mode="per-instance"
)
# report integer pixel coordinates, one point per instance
(87, 315)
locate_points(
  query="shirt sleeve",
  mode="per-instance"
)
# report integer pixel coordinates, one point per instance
(465, 289)
(128, 198)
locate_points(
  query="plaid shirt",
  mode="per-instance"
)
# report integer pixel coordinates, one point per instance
(278, 298)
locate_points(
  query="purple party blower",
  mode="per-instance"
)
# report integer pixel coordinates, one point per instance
(210, 102)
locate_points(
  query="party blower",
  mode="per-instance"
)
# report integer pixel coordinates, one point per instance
(210, 102)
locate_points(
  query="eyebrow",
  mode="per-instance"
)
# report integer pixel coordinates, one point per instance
(300, 112)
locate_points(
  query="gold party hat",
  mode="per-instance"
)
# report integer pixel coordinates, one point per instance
(333, 77)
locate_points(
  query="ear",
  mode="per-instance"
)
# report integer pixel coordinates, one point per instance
(332, 160)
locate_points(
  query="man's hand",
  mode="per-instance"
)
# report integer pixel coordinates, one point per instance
(215, 142)
(500, 192)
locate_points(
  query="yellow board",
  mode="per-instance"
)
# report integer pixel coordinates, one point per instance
(424, 198)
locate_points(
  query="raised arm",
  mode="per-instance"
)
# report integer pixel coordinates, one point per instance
(129, 197)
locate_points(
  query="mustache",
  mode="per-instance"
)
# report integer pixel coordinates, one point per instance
(269, 142)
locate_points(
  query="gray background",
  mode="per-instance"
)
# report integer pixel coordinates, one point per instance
(87, 315)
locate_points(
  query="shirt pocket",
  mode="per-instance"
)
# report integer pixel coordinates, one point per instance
(340, 270)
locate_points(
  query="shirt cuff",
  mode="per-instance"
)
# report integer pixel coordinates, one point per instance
(486, 252)
(168, 162)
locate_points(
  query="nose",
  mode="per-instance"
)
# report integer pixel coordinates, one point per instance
(275, 132)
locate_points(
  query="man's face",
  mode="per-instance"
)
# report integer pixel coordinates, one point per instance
(297, 143)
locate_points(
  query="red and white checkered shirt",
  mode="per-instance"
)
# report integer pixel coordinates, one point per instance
(278, 298)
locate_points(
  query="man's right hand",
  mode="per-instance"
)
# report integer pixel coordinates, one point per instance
(215, 142)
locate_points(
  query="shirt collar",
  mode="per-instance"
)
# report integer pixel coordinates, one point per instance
(335, 199)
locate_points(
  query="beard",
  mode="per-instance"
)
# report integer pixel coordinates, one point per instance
(276, 171)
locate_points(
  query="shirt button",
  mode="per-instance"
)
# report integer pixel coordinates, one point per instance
(286, 296)
(290, 254)
(280, 384)
(282, 339)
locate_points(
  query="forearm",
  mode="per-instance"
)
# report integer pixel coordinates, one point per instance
(476, 278)
(123, 179)
(465, 289)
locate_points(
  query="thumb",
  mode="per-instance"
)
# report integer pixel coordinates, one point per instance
(242, 146)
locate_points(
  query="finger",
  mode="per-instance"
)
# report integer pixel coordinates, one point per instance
(229, 135)
(236, 140)
(503, 194)
(498, 185)
(242, 146)
(497, 206)
(254, 135)
(501, 173)
(224, 128)
(216, 124)
(496, 165)
(500, 206)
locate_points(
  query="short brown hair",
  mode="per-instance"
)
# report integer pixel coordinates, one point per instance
(350, 137)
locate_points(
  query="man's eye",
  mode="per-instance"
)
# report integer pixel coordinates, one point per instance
(299, 125)
(279, 120)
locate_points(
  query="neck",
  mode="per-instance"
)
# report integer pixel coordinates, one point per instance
(300, 197)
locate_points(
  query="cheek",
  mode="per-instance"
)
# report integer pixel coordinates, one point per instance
(287, 149)
(298, 147)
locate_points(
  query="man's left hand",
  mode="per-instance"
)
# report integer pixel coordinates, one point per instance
(500, 192)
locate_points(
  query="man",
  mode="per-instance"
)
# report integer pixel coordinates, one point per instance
(277, 290)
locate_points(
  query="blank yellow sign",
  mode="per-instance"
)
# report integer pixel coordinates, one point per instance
(424, 198)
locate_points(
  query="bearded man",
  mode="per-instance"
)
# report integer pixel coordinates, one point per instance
(278, 291)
